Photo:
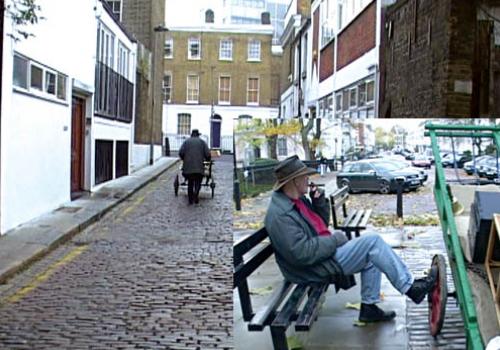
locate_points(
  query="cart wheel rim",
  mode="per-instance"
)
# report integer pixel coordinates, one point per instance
(437, 297)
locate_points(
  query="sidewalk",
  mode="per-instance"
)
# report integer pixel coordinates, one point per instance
(32, 240)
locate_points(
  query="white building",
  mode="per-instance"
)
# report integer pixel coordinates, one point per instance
(64, 130)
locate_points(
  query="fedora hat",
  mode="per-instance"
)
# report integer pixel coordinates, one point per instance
(289, 169)
(195, 132)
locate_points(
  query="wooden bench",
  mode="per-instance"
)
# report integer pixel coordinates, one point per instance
(248, 255)
(352, 221)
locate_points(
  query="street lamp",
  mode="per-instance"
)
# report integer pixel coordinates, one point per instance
(157, 29)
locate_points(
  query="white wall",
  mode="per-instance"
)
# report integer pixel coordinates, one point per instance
(36, 132)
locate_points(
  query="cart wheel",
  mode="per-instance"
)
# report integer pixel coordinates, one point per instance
(212, 186)
(176, 185)
(437, 297)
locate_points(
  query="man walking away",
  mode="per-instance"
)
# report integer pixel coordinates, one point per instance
(193, 152)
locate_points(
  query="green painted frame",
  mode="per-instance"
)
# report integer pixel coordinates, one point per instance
(450, 235)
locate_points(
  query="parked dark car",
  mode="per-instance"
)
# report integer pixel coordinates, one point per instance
(450, 159)
(490, 163)
(469, 166)
(491, 169)
(376, 175)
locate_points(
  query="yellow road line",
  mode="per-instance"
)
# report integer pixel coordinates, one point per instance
(46, 274)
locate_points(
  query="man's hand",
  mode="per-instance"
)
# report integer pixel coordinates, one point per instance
(340, 238)
(315, 192)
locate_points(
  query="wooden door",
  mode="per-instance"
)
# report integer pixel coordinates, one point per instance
(77, 147)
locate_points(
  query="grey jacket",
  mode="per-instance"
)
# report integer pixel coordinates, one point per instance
(193, 152)
(301, 254)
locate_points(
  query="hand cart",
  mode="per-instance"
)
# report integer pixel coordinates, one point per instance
(207, 181)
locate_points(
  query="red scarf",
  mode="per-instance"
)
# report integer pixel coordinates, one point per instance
(312, 217)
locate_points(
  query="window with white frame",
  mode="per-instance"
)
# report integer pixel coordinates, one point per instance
(194, 48)
(338, 105)
(226, 49)
(253, 50)
(38, 79)
(370, 92)
(362, 94)
(353, 98)
(282, 146)
(115, 6)
(329, 108)
(123, 60)
(106, 46)
(193, 88)
(253, 91)
(183, 124)
(224, 90)
(168, 50)
(327, 14)
(340, 14)
(167, 87)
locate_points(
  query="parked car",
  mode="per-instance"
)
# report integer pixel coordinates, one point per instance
(450, 159)
(421, 161)
(376, 175)
(486, 166)
(405, 165)
(491, 169)
(470, 167)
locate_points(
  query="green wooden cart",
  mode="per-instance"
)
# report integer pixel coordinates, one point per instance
(456, 260)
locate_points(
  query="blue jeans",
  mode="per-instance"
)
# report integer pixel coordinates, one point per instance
(371, 256)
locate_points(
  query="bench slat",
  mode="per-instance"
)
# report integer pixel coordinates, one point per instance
(347, 220)
(357, 218)
(364, 222)
(312, 308)
(246, 244)
(289, 310)
(243, 270)
(264, 317)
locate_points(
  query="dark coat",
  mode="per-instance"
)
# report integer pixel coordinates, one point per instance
(301, 254)
(193, 152)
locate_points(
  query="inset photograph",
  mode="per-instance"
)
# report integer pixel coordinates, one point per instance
(363, 234)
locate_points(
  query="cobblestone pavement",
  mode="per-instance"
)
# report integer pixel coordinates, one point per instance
(426, 243)
(154, 273)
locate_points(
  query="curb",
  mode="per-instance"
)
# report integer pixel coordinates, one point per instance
(65, 237)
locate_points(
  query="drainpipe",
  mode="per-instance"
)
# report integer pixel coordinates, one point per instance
(299, 46)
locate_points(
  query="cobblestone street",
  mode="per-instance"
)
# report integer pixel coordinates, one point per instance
(154, 273)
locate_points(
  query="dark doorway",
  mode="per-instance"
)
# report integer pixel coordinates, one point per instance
(215, 125)
(121, 167)
(77, 146)
(103, 161)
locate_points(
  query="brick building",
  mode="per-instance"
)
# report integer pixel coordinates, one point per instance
(140, 17)
(440, 59)
(214, 74)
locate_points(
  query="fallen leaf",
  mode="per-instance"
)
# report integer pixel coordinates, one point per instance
(355, 306)
(261, 291)
(294, 343)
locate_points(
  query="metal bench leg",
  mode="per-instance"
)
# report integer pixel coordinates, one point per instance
(348, 234)
(279, 338)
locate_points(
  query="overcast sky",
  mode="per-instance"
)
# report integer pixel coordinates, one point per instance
(183, 12)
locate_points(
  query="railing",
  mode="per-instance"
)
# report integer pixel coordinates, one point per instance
(175, 140)
(114, 94)
(227, 144)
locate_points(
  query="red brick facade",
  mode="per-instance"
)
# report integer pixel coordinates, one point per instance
(358, 37)
(326, 61)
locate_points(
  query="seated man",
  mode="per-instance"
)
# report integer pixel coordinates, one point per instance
(306, 251)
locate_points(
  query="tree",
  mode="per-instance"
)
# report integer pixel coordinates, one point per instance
(22, 12)
(304, 135)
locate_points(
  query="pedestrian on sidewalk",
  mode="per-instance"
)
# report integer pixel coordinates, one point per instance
(193, 152)
(307, 251)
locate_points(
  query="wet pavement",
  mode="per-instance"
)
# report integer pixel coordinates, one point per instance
(153, 273)
(335, 327)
